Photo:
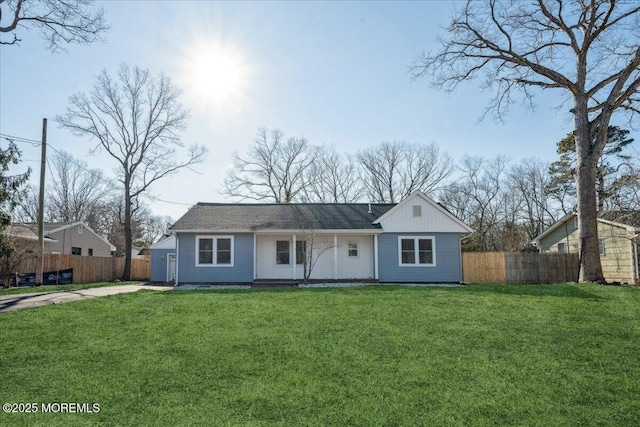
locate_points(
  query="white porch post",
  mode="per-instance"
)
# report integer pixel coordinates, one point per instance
(293, 258)
(375, 256)
(255, 257)
(335, 256)
(175, 282)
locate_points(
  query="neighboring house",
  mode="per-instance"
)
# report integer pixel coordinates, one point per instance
(139, 253)
(75, 238)
(24, 238)
(163, 259)
(416, 240)
(617, 233)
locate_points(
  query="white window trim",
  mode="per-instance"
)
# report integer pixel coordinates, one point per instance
(416, 249)
(304, 253)
(602, 246)
(214, 239)
(357, 249)
(275, 263)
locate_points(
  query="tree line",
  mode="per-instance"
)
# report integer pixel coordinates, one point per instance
(506, 202)
(76, 192)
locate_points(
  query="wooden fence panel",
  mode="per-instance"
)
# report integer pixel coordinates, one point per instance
(519, 267)
(88, 269)
(483, 267)
(140, 269)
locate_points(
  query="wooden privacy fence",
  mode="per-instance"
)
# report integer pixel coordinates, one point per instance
(519, 267)
(90, 269)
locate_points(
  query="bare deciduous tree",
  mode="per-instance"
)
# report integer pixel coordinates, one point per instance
(273, 169)
(393, 170)
(528, 181)
(153, 227)
(590, 49)
(27, 210)
(136, 119)
(479, 197)
(310, 244)
(75, 190)
(627, 191)
(60, 22)
(333, 178)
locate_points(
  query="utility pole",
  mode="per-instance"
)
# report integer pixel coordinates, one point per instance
(43, 162)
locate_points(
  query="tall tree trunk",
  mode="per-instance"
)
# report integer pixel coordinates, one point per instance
(601, 189)
(587, 160)
(128, 241)
(590, 267)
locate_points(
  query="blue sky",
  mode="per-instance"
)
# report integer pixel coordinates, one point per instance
(336, 73)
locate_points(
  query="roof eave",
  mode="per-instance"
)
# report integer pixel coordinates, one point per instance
(280, 231)
(552, 228)
(564, 219)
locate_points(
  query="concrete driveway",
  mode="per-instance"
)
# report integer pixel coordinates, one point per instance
(24, 301)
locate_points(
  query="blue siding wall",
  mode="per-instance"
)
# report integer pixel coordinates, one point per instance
(447, 269)
(159, 264)
(241, 272)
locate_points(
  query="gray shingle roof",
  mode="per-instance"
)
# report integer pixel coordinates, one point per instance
(47, 226)
(631, 218)
(256, 217)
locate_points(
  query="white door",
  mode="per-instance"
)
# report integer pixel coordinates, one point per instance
(171, 267)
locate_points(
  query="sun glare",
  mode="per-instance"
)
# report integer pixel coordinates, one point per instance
(217, 77)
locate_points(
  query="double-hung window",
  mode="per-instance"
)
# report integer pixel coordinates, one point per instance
(214, 251)
(602, 247)
(352, 249)
(416, 251)
(301, 251)
(282, 252)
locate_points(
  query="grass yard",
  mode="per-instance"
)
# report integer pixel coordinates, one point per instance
(373, 356)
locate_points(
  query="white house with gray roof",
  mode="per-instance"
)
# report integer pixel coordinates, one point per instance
(416, 240)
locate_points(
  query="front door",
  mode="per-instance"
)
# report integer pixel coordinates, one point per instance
(171, 267)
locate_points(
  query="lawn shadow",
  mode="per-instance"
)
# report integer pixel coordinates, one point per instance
(566, 290)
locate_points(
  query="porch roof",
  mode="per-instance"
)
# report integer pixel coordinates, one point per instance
(292, 216)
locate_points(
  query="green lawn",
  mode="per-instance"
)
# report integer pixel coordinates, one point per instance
(51, 288)
(373, 356)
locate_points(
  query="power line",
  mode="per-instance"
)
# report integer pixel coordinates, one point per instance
(89, 171)
(112, 182)
(12, 138)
